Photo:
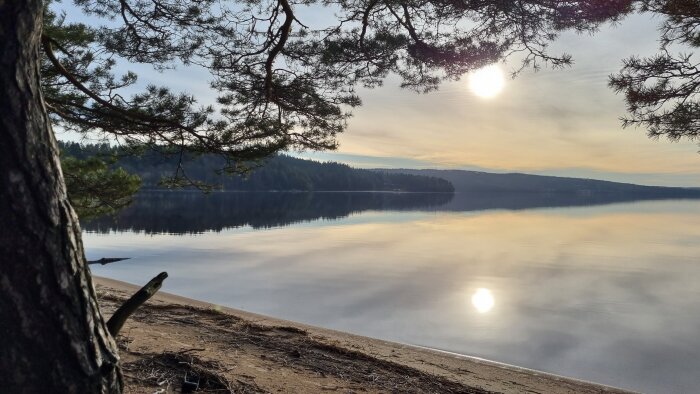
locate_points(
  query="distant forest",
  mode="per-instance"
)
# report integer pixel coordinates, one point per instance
(279, 173)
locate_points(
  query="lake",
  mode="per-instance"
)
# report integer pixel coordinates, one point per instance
(596, 287)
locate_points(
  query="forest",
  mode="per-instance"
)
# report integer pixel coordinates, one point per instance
(278, 173)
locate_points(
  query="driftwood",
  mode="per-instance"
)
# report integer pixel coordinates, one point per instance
(107, 260)
(117, 320)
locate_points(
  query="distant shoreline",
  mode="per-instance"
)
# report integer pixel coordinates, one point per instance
(293, 191)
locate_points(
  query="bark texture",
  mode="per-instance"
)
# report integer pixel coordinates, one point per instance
(53, 338)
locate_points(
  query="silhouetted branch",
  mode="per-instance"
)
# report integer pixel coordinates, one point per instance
(107, 260)
(117, 320)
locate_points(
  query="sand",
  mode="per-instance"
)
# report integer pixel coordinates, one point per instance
(172, 339)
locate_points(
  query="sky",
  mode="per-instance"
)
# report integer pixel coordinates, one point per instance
(551, 122)
(554, 122)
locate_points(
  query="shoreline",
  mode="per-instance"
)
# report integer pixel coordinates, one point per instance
(256, 353)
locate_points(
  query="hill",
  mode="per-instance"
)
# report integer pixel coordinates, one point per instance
(485, 182)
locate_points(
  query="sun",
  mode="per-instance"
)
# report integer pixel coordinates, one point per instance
(487, 82)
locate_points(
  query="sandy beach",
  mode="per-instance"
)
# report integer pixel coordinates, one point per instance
(172, 339)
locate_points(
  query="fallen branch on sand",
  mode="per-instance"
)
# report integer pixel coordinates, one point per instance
(117, 320)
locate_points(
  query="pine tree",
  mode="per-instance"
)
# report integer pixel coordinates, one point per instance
(662, 91)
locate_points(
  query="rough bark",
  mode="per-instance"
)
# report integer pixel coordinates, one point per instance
(53, 338)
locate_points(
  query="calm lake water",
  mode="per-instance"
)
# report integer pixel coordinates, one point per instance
(602, 288)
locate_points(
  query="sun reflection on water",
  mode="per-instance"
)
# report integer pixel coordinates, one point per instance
(483, 300)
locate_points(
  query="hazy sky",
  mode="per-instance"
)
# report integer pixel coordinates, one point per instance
(561, 122)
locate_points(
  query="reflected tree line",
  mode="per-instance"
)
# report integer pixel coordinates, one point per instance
(528, 200)
(187, 212)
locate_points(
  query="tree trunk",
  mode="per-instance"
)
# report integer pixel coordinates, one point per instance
(52, 336)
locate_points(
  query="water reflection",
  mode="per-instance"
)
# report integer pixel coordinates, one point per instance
(194, 212)
(483, 300)
(603, 293)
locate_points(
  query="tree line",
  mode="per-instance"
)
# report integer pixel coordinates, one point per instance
(278, 173)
